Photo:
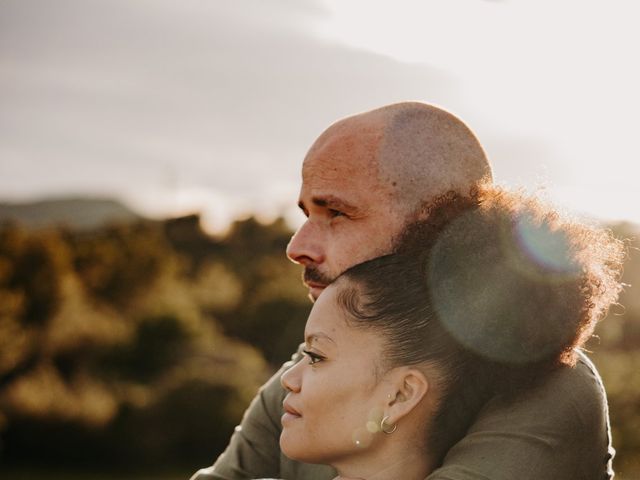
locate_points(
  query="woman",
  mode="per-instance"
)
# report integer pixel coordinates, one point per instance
(403, 350)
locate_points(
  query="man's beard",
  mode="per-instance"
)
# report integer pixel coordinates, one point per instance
(311, 274)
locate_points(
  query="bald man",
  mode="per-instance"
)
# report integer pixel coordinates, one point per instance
(364, 181)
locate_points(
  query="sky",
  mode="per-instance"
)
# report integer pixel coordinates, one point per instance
(176, 106)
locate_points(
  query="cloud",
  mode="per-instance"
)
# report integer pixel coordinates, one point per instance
(225, 95)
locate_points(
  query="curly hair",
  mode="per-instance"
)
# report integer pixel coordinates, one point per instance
(494, 289)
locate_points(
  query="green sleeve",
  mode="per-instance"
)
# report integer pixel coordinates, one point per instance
(558, 431)
(254, 449)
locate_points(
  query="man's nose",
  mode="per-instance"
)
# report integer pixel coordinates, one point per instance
(290, 380)
(306, 245)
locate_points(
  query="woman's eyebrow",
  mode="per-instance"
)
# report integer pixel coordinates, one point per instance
(314, 337)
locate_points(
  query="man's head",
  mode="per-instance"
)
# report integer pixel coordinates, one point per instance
(370, 175)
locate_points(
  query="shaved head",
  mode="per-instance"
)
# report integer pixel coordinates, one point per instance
(418, 151)
(371, 176)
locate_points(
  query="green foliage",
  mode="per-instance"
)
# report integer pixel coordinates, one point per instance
(616, 353)
(120, 261)
(33, 267)
(155, 346)
(110, 349)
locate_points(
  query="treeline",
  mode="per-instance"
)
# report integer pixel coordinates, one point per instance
(141, 344)
(616, 352)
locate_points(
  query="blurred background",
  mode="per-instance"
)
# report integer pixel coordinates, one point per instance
(149, 165)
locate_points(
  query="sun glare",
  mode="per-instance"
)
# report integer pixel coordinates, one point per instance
(555, 77)
(409, 30)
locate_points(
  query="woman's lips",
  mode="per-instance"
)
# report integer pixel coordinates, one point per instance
(290, 413)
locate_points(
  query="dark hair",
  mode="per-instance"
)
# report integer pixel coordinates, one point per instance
(494, 290)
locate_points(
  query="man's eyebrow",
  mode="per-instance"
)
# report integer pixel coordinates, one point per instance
(333, 202)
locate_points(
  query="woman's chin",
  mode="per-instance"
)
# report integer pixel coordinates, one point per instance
(295, 449)
(286, 445)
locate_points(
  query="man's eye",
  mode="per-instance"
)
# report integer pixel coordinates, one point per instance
(335, 213)
(313, 357)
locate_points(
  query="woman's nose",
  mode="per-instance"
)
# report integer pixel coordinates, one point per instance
(290, 380)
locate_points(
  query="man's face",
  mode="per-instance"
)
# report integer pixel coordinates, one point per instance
(351, 214)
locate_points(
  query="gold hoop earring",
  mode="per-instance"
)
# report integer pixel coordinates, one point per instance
(385, 428)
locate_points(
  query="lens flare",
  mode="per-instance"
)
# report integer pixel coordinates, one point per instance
(544, 248)
(493, 283)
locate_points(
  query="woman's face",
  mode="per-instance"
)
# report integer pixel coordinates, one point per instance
(335, 401)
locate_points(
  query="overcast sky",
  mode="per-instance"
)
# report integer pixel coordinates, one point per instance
(179, 105)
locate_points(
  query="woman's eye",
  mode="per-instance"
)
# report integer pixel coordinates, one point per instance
(313, 357)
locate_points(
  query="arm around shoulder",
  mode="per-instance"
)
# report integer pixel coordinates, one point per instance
(253, 451)
(559, 430)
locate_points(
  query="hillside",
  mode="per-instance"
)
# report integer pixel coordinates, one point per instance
(77, 213)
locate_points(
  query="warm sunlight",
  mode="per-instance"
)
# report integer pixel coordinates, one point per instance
(151, 158)
(554, 81)
(413, 30)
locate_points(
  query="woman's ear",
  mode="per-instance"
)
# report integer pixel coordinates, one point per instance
(409, 387)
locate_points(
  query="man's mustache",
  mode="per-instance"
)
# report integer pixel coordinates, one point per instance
(311, 274)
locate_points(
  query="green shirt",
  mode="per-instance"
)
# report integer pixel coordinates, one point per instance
(558, 431)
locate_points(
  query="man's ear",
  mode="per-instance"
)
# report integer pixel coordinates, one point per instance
(409, 387)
